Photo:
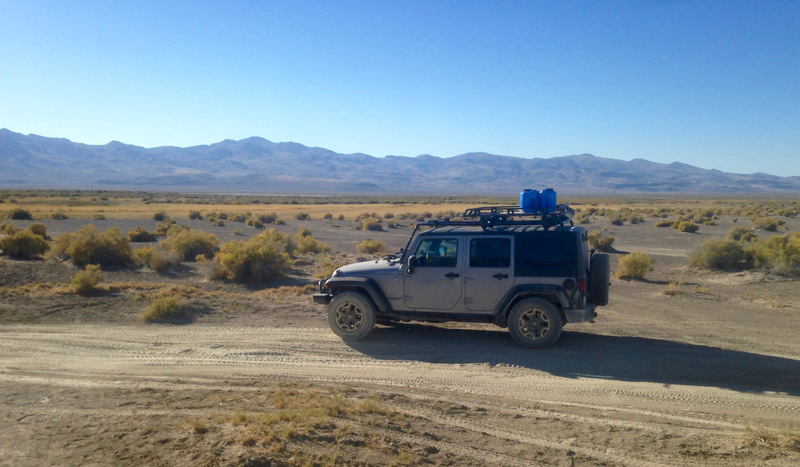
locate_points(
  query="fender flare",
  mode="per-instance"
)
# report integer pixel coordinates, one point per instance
(561, 297)
(361, 283)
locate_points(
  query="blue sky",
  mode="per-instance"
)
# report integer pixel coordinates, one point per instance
(714, 84)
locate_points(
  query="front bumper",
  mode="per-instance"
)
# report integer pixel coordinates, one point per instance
(322, 298)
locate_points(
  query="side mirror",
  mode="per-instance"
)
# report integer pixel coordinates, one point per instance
(411, 264)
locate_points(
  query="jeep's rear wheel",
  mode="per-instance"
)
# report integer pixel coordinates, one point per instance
(535, 322)
(599, 279)
(351, 315)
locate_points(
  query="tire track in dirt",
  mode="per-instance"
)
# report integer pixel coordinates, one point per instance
(222, 357)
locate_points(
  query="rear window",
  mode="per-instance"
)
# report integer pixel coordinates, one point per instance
(546, 255)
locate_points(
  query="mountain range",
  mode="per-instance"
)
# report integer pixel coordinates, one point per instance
(256, 165)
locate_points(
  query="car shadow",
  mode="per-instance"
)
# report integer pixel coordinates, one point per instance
(584, 355)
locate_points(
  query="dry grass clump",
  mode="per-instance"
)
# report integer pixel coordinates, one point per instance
(166, 308)
(85, 282)
(782, 441)
(159, 261)
(768, 224)
(87, 246)
(23, 245)
(674, 287)
(601, 241)
(370, 246)
(259, 259)
(38, 229)
(634, 265)
(188, 244)
(8, 229)
(687, 227)
(741, 234)
(139, 234)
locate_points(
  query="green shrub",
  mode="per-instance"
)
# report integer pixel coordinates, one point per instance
(140, 235)
(302, 216)
(600, 241)
(370, 246)
(741, 234)
(687, 226)
(768, 224)
(160, 216)
(190, 243)
(616, 220)
(85, 282)
(634, 265)
(236, 217)
(99, 217)
(20, 214)
(664, 224)
(780, 254)
(166, 308)
(23, 245)
(720, 255)
(328, 216)
(219, 223)
(259, 259)
(195, 215)
(86, 246)
(38, 229)
(327, 265)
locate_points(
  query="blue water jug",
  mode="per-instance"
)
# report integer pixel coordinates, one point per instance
(548, 200)
(529, 200)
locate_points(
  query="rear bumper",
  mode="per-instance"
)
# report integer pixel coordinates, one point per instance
(580, 315)
(322, 298)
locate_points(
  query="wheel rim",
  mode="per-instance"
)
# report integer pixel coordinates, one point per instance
(349, 316)
(534, 324)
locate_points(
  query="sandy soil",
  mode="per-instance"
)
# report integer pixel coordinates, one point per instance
(710, 376)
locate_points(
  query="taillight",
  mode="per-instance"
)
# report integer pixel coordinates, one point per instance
(582, 285)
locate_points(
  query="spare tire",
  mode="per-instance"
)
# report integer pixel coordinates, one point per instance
(599, 279)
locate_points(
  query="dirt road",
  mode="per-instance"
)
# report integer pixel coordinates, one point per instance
(593, 399)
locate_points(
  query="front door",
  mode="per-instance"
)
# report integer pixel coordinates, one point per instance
(435, 283)
(489, 273)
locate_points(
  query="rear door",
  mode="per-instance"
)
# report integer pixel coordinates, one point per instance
(488, 272)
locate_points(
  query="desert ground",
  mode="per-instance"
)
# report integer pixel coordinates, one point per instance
(706, 375)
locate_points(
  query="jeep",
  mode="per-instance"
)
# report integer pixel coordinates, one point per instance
(531, 272)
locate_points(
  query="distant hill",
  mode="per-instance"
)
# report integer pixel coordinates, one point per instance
(260, 166)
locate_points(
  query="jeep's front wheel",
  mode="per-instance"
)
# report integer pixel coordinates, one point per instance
(535, 322)
(351, 315)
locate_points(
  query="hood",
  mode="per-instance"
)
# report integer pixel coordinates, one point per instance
(366, 268)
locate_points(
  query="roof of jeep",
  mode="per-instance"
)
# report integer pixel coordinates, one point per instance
(505, 230)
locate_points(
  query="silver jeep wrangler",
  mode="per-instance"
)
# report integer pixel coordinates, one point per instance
(529, 272)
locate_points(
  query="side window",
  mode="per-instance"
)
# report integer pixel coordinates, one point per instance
(490, 252)
(437, 253)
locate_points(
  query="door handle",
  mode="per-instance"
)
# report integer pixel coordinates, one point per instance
(500, 275)
(452, 275)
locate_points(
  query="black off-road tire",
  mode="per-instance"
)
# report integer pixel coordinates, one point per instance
(535, 322)
(599, 279)
(351, 315)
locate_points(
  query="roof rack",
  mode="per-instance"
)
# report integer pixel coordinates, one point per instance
(488, 217)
